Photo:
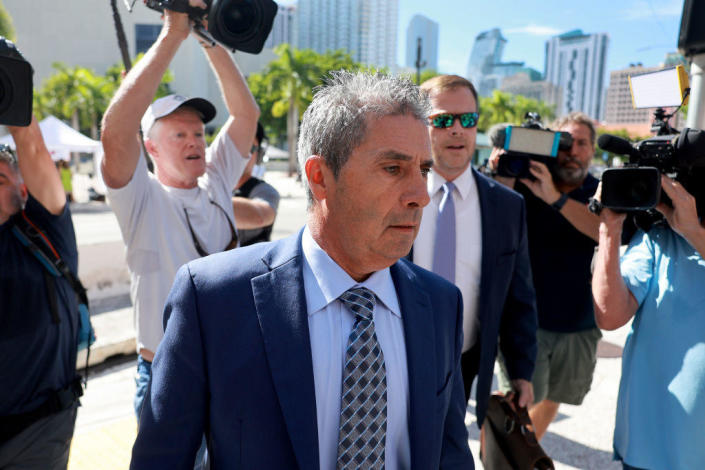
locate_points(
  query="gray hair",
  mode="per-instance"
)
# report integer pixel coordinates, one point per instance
(336, 121)
(7, 156)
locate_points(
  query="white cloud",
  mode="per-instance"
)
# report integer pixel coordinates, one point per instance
(534, 30)
(643, 9)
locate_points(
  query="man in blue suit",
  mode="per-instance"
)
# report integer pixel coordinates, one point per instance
(321, 350)
(473, 233)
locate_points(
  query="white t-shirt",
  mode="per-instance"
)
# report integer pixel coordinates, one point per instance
(156, 232)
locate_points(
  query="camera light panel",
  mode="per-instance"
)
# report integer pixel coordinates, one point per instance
(532, 141)
(660, 89)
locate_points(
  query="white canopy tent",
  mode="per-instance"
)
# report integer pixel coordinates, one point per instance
(61, 139)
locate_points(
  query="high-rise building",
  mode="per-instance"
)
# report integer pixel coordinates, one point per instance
(284, 28)
(530, 85)
(486, 51)
(485, 67)
(619, 111)
(421, 27)
(576, 62)
(364, 28)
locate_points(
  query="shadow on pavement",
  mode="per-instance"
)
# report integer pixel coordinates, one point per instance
(577, 455)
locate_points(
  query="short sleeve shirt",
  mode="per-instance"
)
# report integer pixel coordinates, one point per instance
(37, 355)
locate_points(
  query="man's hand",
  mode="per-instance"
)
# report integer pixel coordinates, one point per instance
(543, 186)
(683, 216)
(524, 391)
(611, 222)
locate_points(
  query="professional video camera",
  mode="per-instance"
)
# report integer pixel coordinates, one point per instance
(15, 86)
(637, 186)
(530, 141)
(237, 24)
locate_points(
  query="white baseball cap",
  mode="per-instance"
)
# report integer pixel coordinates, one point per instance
(170, 103)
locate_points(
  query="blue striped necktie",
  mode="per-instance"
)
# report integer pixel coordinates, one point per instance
(363, 408)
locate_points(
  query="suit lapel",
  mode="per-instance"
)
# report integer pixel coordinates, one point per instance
(421, 361)
(487, 208)
(280, 301)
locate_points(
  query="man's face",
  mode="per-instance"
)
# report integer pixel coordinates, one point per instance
(178, 145)
(13, 194)
(373, 210)
(573, 164)
(453, 147)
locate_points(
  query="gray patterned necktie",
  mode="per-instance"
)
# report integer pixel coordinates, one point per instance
(444, 244)
(363, 408)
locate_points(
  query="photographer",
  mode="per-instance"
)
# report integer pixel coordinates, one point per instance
(659, 282)
(184, 210)
(40, 388)
(562, 235)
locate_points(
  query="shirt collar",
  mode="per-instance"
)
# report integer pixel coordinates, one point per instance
(465, 183)
(332, 281)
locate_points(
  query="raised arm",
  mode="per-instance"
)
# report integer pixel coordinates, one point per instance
(37, 168)
(243, 109)
(614, 303)
(121, 122)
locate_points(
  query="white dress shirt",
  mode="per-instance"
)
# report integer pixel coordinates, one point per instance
(468, 243)
(330, 324)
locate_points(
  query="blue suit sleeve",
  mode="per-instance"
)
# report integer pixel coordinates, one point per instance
(173, 416)
(517, 331)
(455, 452)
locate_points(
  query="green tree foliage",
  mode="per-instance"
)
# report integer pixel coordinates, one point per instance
(7, 29)
(425, 75)
(284, 89)
(79, 96)
(505, 107)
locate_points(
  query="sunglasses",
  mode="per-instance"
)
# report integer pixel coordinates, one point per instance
(445, 120)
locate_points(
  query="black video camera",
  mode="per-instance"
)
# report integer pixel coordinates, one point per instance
(15, 86)
(530, 141)
(637, 186)
(241, 25)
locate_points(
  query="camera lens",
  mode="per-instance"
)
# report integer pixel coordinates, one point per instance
(238, 16)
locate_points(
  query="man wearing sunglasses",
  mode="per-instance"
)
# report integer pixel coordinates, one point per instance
(184, 210)
(473, 233)
(255, 201)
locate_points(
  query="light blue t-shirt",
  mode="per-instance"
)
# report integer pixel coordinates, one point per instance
(660, 421)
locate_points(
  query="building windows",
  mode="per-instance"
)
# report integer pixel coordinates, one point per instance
(145, 35)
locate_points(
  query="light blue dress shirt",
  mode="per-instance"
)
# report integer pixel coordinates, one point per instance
(330, 324)
(661, 403)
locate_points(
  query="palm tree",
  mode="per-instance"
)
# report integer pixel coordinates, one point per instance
(292, 77)
(7, 30)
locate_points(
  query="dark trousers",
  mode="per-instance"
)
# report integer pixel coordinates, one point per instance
(469, 366)
(44, 445)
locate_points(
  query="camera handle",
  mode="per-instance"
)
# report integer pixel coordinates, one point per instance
(202, 33)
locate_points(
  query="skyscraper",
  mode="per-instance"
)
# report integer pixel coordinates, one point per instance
(576, 62)
(365, 28)
(426, 29)
(486, 51)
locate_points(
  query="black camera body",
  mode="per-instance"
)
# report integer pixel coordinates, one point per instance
(530, 141)
(15, 86)
(637, 186)
(241, 25)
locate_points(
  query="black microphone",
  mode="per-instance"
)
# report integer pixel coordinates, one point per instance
(615, 144)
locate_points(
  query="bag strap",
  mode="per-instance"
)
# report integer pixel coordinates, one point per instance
(39, 245)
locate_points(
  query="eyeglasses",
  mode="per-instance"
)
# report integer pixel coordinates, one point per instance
(445, 120)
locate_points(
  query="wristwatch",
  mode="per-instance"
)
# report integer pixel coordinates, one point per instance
(558, 205)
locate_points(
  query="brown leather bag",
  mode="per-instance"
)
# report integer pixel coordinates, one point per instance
(507, 439)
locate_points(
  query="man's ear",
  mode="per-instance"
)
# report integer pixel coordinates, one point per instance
(151, 147)
(24, 193)
(318, 176)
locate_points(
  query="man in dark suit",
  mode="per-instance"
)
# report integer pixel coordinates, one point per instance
(321, 350)
(473, 233)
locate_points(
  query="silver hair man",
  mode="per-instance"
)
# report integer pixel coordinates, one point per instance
(337, 119)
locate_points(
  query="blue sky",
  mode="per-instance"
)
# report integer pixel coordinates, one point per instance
(639, 30)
